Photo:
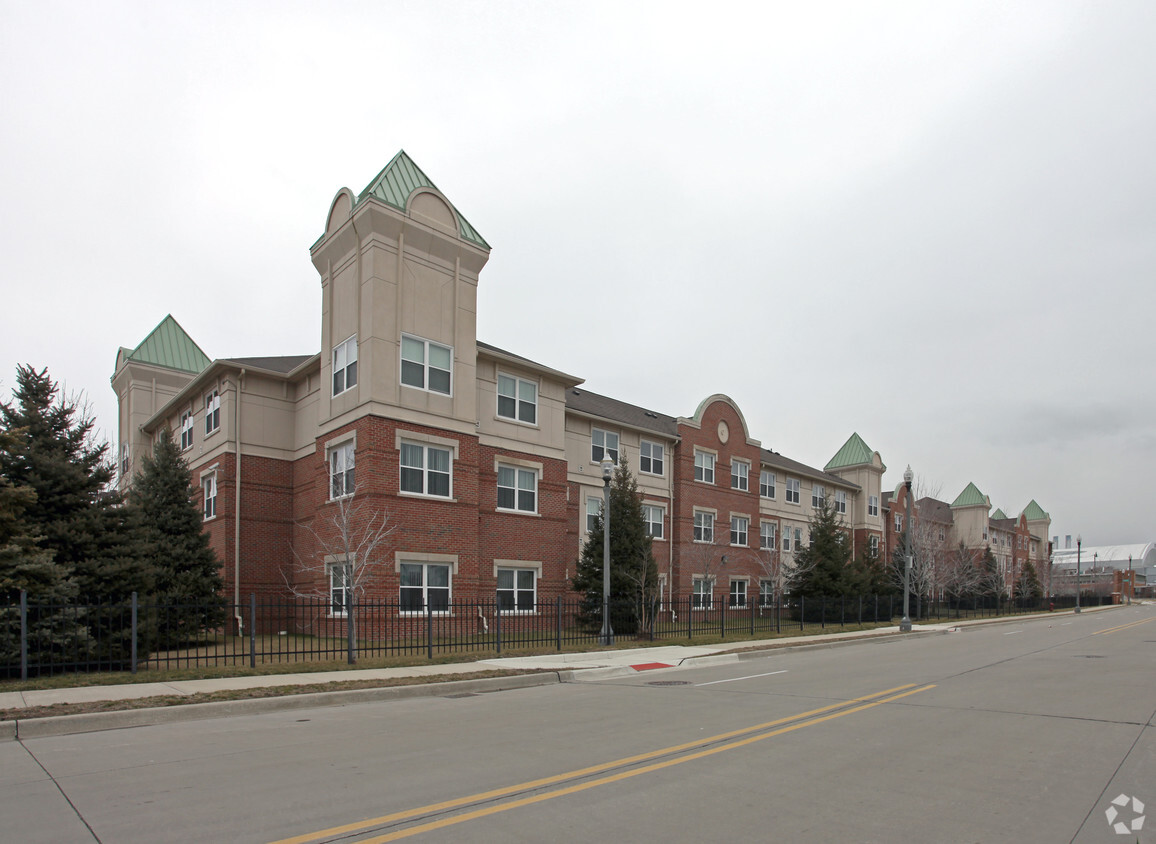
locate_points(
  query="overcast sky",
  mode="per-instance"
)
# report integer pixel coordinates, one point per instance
(930, 223)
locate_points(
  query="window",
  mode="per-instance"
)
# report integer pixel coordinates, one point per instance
(650, 458)
(873, 505)
(209, 485)
(425, 469)
(703, 526)
(899, 524)
(840, 502)
(426, 365)
(518, 399)
(873, 542)
(740, 475)
(516, 590)
(739, 528)
(212, 412)
(798, 539)
(738, 598)
(425, 585)
(593, 511)
(786, 538)
(341, 470)
(766, 593)
(340, 588)
(345, 365)
(703, 598)
(653, 516)
(767, 484)
(704, 467)
(794, 490)
(942, 535)
(124, 461)
(186, 431)
(818, 496)
(767, 536)
(603, 443)
(517, 489)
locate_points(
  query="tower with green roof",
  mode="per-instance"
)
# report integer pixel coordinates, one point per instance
(858, 463)
(969, 512)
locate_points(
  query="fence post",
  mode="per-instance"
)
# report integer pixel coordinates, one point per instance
(498, 623)
(689, 615)
(429, 630)
(133, 655)
(752, 609)
(23, 634)
(558, 621)
(350, 627)
(252, 629)
(722, 619)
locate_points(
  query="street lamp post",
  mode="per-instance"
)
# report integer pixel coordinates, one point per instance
(1079, 542)
(905, 624)
(1131, 587)
(606, 637)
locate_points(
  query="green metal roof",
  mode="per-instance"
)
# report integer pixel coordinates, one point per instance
(970, 497)
(169, 346)
(396, 183)
(854, 452)
(1035, 512)
(999, 514)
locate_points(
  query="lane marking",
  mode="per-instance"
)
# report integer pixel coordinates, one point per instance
(735, 679)
(557, 778)
(1012, 632)
(622, 775)
(1120, 627)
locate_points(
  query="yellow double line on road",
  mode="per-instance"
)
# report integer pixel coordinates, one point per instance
(1120, 627)
(783, 725)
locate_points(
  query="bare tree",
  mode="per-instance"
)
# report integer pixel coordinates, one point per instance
(707, 560)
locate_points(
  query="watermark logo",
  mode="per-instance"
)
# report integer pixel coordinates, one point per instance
(1117, 810)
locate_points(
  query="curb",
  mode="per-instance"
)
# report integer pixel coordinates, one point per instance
(63, 725)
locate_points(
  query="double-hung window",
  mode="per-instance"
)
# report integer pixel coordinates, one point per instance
(345, 365)
(703, 598)
(767, 536)
(786, 538)
(818, 496)
(209, 487)
(426, 365)
(650, 457)
(186, 431)
(124, 461)
(738, 596)
(794, 490)
(212, 412)
(703, 526)
(516, 590)
(740, 475)
(517, 489)
(840, 501)
(517, 399)
(873, 542)
(603, 443)
(899, 524)
(425, 469)
(873, 505)
(340, 588)
(652, 516)
(593, 511)
(740, 526)
(341, 477)
(425, 585)
(704, 466)
(767, 484)
(766, 593)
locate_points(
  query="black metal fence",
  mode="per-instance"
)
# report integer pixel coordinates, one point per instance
(38, 639)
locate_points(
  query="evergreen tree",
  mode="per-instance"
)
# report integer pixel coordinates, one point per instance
(823, 567)
(187, 574)
(874, 575)
(1029, 585)
(633, 571)
(991, 581)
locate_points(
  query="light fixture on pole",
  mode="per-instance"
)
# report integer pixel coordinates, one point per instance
(1131, 586)
(905, 624)
(1079, 542)
(606, 637)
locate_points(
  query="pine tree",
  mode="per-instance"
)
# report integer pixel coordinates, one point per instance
(633, 570)
(823, 567)
(1029, 585)
(187, 574)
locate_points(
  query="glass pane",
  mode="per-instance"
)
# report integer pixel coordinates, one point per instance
(412, 455)
(526, 501)
(526, 479)
(439, 600)
(528, 413)
(506, 406)
(439, 357)
(506, 386)
(411, 480)
(439, 460)
(411, 599)
(506, 600)
(412, 350)
(438, 575)
(439, 381)
(339, 357)
(411, 574)
(505, 578)
(525, 579)
(351, 375)
(505, 498)
(412, 374)
(439, 483)
(526, 601)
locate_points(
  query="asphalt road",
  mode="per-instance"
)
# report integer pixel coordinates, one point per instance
(1020, 731)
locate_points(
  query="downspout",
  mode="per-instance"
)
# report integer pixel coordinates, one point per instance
(237, 510)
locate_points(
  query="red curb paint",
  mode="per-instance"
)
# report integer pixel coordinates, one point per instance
(647, 666)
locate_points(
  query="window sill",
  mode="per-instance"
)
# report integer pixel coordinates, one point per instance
(345, 497)
(212, 432)
(426, 496)
(517, 512)
(422, 613)
(515, 421)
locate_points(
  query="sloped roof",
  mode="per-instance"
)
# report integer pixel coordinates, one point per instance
(396, 183)
(1035, 512)
(998, 514)
(168, 345)
(854, 452)
(971, 497)
(934, 510)
(771, 458)
(283, 364)
(604, 407)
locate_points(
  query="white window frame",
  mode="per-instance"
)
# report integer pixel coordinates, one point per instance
(212, 412)
(767, 484)
(521, 473)
(702, 592)
(654, 516)
(899, 524)
(743, 585)
(426, 366)
(425, 587)
(592, 513)
(798, 538)
(341, 462)
(873, 505)
(704, 463)
(740, 531)
(768, 535)
(873, 543)
(766, 592)
(598, 449)
(517, 590)
(794, 491)
(124, 460)
(520, 408)
(424, 469)
(651, 458)
(785, 535)
(209, 490)
(740, 475)
(340, 584)
(345, 365)
(187, 423)
(704, 526)
(818, 495)
(840, 501)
